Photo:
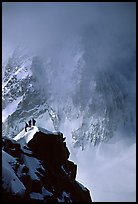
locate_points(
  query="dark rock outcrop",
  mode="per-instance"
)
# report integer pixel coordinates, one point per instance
(43, 168)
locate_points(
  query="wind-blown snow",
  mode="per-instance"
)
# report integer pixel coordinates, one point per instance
(109, 171)
(11, 108)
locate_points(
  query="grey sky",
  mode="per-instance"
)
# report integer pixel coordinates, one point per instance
(38, 24)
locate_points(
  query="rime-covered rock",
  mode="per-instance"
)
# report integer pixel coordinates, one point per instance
(36, 168)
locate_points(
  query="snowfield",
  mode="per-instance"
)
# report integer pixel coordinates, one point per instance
(11, 108)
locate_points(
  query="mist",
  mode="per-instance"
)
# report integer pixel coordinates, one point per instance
(50, 26)
(86, 55)
(112, 173)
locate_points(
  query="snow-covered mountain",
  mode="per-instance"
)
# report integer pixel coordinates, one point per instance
(33, 87)
(74, 71)
(21, 95)
(91, 107)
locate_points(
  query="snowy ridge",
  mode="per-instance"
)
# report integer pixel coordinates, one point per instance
(24, 137)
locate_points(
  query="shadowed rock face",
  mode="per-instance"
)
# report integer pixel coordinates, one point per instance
(50, 148)
(42, 166)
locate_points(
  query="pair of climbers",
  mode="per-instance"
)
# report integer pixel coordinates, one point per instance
(29, 124)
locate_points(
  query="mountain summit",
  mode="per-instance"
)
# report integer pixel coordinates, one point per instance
(35, 167)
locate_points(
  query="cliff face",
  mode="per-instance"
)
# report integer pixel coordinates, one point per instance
(36, 168)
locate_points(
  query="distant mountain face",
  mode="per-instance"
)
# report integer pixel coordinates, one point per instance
(96, 100)
(22, 96)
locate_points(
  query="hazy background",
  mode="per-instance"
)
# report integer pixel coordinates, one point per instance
(40, 25)
(88, 40)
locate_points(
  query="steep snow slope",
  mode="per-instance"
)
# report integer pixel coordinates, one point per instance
(11, 108)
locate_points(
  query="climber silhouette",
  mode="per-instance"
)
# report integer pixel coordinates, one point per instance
(29, 123)
(33, 121)
(26, 125)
